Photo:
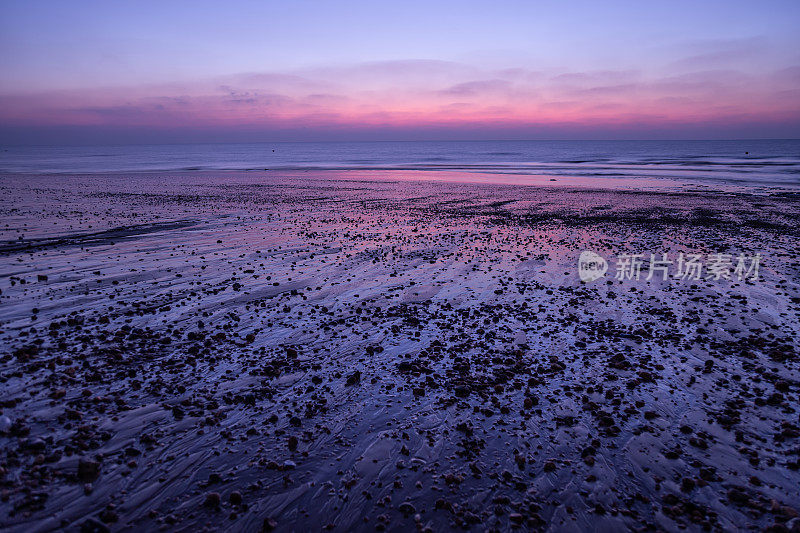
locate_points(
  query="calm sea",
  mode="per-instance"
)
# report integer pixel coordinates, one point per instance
(766, 163)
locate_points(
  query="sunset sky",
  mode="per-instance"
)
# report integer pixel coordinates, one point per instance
(82, 72)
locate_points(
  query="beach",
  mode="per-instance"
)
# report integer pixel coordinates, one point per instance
(367, 350)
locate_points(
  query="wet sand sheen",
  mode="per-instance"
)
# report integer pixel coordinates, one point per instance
(248, 351)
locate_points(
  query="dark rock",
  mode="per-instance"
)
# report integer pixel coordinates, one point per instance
(88, 470)
(212, 499)
(406, 508)
(354, 378)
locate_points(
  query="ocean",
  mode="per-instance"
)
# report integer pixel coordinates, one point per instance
(762, 163)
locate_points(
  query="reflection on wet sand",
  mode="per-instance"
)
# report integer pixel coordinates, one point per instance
(354, 351)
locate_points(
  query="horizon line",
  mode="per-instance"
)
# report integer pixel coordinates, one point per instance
(385, 141)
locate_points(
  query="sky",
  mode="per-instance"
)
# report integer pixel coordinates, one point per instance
(238, 71)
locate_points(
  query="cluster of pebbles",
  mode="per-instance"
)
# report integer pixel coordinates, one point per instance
(249, 352)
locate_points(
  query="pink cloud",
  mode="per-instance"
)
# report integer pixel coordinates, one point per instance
(407, 94)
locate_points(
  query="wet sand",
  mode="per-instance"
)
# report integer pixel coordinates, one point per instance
(313, 351)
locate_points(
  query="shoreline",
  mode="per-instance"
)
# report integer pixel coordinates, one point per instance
(643, 184)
